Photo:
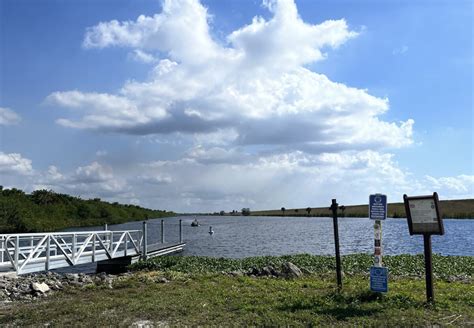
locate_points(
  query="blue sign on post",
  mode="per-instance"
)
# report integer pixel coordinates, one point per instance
(378, 207)
(379, 279)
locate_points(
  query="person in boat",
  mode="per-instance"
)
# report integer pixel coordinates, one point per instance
(195, 223)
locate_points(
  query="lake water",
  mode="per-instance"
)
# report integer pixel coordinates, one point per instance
(243, 236)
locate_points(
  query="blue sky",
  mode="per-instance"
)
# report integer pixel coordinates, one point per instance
(310, 101)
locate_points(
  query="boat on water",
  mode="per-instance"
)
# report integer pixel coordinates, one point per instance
(195, 223)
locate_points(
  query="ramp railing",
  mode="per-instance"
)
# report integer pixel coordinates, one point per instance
(44, 251)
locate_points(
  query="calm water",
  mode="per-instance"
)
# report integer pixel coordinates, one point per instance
(239, 236)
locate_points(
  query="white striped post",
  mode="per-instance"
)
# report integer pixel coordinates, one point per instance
(378, 243)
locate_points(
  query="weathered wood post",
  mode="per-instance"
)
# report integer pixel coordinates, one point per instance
(336, 242)
(180, 231)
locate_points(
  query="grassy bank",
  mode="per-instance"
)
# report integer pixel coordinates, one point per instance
(197, 295)
(44, 210)
(461, 209)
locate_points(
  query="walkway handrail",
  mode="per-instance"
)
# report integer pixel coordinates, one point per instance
(21, 250)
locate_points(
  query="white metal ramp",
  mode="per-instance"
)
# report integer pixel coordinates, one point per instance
(25, 253)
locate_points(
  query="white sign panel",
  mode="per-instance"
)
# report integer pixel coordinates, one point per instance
(423, 211)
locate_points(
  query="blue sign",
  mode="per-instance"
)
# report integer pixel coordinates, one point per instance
(379, 279)
(378, 207)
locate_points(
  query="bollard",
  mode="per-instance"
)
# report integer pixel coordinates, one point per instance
(336, 242)
(162, 231)
(145, 241)
(180, 231)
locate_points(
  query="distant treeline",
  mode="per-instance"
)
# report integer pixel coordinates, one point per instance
(458, 209)
(45, 210)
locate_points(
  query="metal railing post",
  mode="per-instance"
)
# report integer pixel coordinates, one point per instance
(111, 247)
(106, 241)
(126, 243)
(48, 250)
(162, 231)
(17, 250)
(93, 247)
(2, 243)
(180, 231)
(73, 248)
(145, 241)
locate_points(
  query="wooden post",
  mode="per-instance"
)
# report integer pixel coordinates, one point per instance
(336, 242)
(428, 268)
(180, 231)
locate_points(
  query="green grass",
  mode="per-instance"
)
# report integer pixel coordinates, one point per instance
(199, 296)
(191, 300)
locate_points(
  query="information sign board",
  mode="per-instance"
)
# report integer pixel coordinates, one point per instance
(423, 215)
(378, 207)
(379, 279)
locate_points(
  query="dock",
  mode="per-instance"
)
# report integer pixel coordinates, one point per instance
(111, 250)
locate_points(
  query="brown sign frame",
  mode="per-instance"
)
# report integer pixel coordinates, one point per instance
(411, 228)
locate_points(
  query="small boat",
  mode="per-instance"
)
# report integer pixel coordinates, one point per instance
(195, 223)
(211, 232)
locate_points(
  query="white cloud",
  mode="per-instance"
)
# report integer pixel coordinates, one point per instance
(142, 56)
(461, 186)
(210, 179)
(255, 82)
(181, 30)
(8, 117)
(15, 163)
(93, 180)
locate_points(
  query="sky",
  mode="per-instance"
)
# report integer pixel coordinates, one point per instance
(202, 106)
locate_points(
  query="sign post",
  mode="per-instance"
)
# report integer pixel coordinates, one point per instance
(378, 273)
(424, 218)
(336, 243)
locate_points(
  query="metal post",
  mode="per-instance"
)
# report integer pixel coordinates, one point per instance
(106, 235)
(17, 250)
(162, 231)
(428, 268)
(93, 247)
(111, 246)
(180, 231)
(126, 244)
(73, 250)
(336, 243)
(48, 251)
(145, 250)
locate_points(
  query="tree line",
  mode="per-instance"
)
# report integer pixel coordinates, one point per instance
(46, 210)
